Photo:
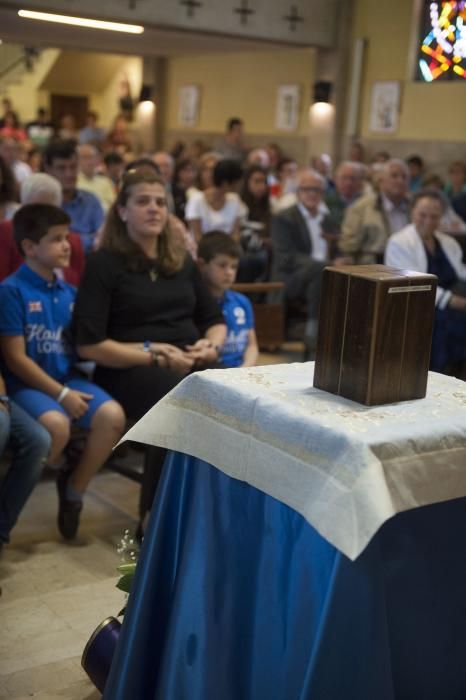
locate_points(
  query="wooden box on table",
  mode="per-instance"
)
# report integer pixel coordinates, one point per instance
(375, 333)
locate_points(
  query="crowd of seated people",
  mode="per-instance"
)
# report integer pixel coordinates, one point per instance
(145, 247)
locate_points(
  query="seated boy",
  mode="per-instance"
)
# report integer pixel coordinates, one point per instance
(30, 445)
(35, 315)
(218, 259)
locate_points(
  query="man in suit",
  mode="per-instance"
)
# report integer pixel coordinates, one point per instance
(299, 249)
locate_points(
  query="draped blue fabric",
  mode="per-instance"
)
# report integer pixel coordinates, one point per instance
(237, 597)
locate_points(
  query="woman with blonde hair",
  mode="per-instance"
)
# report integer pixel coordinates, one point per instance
(143, 313)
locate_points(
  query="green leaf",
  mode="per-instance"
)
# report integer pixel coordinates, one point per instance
(124, 583)
(127, 568)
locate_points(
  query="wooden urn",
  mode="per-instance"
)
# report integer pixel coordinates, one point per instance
(375, 333)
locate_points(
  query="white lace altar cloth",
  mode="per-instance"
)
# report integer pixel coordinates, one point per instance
(345, 467)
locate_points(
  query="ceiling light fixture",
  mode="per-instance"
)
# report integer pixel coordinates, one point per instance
(82, 22)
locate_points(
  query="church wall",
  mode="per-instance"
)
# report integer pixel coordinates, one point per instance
(431, 114)
(243, 85)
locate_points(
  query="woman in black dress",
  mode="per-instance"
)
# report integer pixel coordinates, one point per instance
(143, 313)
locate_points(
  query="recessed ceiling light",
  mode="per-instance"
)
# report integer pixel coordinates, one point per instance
(82, 22)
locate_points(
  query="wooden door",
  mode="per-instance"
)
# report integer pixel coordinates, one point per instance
(77, 105)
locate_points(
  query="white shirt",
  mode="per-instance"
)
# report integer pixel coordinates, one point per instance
(223, 219)
(397, 214)
(406, 251)
(101, 186)
(319, 249)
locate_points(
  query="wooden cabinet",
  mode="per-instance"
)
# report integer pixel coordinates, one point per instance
(375, 333)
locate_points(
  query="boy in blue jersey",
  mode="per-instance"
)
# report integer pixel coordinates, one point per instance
(218, 258)
(35, 316)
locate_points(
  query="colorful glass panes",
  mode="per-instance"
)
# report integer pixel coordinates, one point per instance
(443, 47)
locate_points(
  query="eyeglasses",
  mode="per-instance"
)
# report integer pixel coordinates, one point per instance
(311, 190)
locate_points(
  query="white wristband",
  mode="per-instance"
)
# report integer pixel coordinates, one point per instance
(62, 394)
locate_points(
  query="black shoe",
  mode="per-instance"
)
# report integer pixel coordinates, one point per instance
(68, 511)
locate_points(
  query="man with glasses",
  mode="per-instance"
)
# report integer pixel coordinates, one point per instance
(300, 251)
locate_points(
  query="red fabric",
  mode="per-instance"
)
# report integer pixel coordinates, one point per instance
(10, 259)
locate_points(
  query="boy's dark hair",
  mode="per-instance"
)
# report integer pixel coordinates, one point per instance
(60, 148)
(234, 121)
(33, 221)
(228, 171)
(217, 243)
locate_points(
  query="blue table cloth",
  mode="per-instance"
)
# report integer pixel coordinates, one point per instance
(237, 597)
(346, 468)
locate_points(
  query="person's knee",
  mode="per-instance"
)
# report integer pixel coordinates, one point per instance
(58, 426)
(42, 441)
(110, 416)
(38, 442)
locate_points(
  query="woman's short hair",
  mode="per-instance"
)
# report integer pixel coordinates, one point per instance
(143, 163)
(227, 171)
(170, 254)
(430, 193)
(41, 187)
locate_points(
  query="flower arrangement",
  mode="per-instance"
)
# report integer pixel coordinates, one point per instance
(129, 553)
(98, 653)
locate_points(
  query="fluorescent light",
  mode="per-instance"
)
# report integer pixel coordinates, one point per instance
(82, 22)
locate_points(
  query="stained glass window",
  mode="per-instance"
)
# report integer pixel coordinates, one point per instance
(442, 47)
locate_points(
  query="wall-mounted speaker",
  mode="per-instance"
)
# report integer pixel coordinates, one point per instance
(322, 91)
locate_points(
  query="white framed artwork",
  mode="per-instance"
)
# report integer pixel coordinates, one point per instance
(288, 105)
(188, 105)
(385, 106)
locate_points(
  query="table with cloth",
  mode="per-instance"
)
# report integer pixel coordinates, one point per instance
(301, 546)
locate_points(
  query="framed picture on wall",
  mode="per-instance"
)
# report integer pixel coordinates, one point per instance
(188, 105)
(385, 106)
(288, 105)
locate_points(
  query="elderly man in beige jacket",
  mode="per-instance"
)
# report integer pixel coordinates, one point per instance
(370, 221)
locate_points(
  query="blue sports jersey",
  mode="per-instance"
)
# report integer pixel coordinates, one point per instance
(239, 318)
(40, 311)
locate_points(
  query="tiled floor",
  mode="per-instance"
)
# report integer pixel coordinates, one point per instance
(55, 594)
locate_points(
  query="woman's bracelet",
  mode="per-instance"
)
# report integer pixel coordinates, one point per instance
(64, 392)
(153, 355)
